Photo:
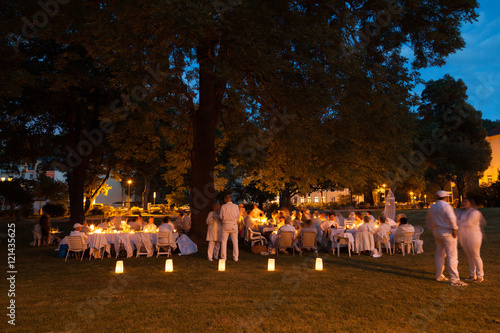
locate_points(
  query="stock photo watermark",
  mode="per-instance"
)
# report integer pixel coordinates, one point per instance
(11, 273)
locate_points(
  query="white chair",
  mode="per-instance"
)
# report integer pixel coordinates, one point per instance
(406, 241)
(285, 241)
(144, 242)
(385, 240)
(308, 241)
(164, 240)
(76, 244)
(254, 237)
(341, 240)
(418, 232)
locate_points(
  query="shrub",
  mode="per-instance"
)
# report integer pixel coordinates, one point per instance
(54, 209)
(97, 211)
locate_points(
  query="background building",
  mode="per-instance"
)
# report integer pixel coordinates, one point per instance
(491, 174)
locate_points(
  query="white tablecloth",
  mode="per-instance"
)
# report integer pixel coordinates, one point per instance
(341, 233)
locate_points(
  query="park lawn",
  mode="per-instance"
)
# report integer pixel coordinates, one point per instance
(352, 294)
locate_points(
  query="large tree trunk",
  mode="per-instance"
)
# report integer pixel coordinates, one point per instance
(76, 180)
(145, 193)
(203, 154)
(93, 195)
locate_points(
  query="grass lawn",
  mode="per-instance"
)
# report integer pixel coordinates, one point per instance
(357, 294)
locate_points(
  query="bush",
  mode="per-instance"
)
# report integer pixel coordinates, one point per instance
(96, 211)
(54, 209)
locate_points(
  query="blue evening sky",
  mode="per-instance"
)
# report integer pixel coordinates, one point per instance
(478, 64)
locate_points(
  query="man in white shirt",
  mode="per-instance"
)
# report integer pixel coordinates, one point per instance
(78, 232)
(331, 222)
(151, 226)
(307, 228)
(255, 213)
(229, 215)
(442, 220)
(286, 227)
(166, 225)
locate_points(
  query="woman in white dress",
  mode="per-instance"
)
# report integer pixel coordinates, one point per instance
(214, 233)
(364, 236)
(470, 237)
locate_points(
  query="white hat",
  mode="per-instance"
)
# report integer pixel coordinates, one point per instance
(442, 194)
(77, 225)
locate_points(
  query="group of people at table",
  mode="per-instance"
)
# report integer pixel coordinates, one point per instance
(232, 221)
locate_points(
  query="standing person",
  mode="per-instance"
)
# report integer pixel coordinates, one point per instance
(214, 231)
(442, 220)
(470, 238)
(229, 215)
(45, 226)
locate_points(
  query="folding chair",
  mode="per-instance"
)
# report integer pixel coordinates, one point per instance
(76, 244)
(309, 242)
(163, 239)
(386, 241)
(255, 237)
(285, 241)
(406, 241)
(340, 240)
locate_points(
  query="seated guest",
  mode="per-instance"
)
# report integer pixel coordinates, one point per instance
(364, 237)
(140, 222)
(399, 217)
(179, 220)
(166, 225)
(307, 228)
(249, 222)
(78, 232)
(369, 223)
(316, 219)
(392, 223)
(133, 224)
(103, 225)
(85, 227)
(340, 219)
(185, 226)
(404, 227)
(151, 226)
(297, 222)
(358, 217)
(382, 230)
(306, 215)
(369, 214)
(286, 227)
(330, 223)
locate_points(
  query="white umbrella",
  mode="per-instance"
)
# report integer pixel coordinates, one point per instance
(390, 206)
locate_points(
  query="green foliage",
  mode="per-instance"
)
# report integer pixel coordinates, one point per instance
(14, 194)
(54, 209)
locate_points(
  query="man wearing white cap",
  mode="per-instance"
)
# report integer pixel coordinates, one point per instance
(442, 220)
(229, 215)
(78, 232)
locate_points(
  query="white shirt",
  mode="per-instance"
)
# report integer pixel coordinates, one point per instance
(103, 225)
(441, 215)
(79, 233)
(150, 227)
(287, 227)
(327, 224)
(165, 227)
(404, 228)
(255, 213)
(229, 213)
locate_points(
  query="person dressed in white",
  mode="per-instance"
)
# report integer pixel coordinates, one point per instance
(442, 220)
(214, 231)
(179, 221)
(151, 226)
(307, 228)
(287, 227)
(340, 219)
(383, 229)
(229, 215)
(404, 228)
(364, 236)
(78, 232)
(185, 226)
(166, 225)
(470, 238)
(255, 213)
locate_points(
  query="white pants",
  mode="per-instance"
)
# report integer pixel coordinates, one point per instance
(446, 248)
(229, 229)
(213, 250)
(471, 243)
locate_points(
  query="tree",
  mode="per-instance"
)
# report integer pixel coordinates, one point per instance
(460, 152)
(244, 60)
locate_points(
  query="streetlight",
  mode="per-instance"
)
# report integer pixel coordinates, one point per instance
(154, 198)
(425, 198)
(129, 182)
(411, 197)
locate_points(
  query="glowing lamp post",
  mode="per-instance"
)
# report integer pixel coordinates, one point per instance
(154, 198)
(119, 267)
(222, 265)
(169, 265)
(319, 264)
(129, 182)
(270, 265)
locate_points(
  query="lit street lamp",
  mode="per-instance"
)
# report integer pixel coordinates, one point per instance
(411, 197)
(129, 182)
(154, 198)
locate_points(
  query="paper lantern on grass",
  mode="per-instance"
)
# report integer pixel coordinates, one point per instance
(270, 265)
(169, 265)
(222, 265)
(319, 264)
(119, 267)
